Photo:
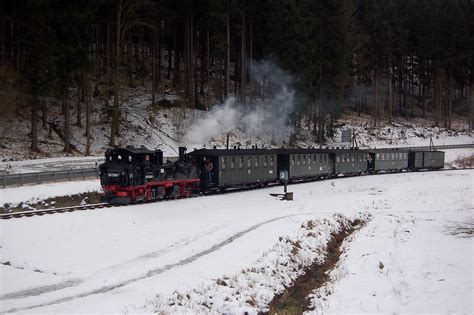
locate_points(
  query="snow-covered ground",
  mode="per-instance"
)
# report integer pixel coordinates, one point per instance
(36, 193)
(139, 257)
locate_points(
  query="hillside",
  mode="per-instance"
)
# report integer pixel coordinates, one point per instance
(168, 128)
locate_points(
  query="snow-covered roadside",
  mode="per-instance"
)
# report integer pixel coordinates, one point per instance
(126, 256)
(37, 193)
(52, 164)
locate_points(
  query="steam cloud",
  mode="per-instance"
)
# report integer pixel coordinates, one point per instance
(268, 118)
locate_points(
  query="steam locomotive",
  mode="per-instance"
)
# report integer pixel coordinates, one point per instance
(131, 175)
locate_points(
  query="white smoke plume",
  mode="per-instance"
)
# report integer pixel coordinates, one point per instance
(268, 118)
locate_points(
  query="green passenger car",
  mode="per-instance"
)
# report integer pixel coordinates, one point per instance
(350, 162)
(240, 166)
(388, 160)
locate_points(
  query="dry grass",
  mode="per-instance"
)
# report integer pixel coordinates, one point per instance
(460, 229)
(294, 299)
(467, 162)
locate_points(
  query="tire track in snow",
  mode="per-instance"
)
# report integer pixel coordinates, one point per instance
(75, 282)
(40, 290)
(160, 270)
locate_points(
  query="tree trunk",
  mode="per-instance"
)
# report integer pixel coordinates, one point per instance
(168, 75)
(115, 111)
(188, 56)
(376, 100)
(34, 126)
(227, 62)
(243, 65)
(44, 110)
(390, 96)
(400, 86)
(208, 53)
(88, 115)
(79, 107)
(153, 69)
(109, 70)
(176, 74)
(67, 114)
(470, 119)
(250, 83)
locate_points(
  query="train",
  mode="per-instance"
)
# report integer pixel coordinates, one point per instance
(132, 175)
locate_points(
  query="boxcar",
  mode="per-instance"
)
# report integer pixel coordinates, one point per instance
(430, 160)
(233, 167)
(387, 160)
(349, 162)
(305, 163)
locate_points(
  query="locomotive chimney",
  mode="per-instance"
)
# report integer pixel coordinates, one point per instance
(182, 152)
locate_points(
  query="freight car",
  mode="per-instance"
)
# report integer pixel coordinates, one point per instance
(425, 160)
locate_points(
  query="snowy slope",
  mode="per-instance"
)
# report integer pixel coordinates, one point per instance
(166, 129)
(109, 260)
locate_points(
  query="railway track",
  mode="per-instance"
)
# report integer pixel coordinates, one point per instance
(30, 213)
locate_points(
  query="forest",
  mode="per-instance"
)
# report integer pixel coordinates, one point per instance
(392, 58)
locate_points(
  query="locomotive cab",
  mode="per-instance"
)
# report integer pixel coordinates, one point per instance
(129, 166)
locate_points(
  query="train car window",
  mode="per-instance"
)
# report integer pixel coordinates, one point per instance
(353, 157)
(298, 160)
(241, 162)
(309, 159)
(249, 162)
(338, 158)
(325, 158)
(265, 161)
(304, 159)
(377, 156)
(256, 162)
(271, 161)
(232, 162)
(223, 163)
(292, 160)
